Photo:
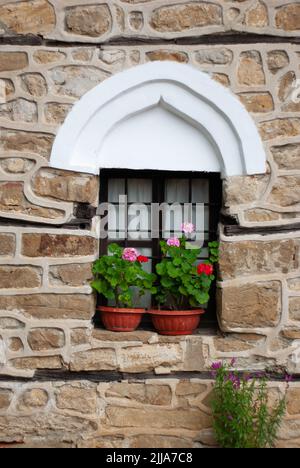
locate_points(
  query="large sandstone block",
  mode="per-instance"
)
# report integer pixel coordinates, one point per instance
(34, 363)
(90, 20)
(294, 309)
(193, 419)
(20, 277)
(288, 17)
(71, 275)
(11, 61)
(94, 360)
(35, 398)
(287, 157)
(75, 80)
(43, 339)
(186, 17)
(255, 257)
(66, 186)
(30, 17)
(250, 306)
(7, 245)
(286, 191)
(293, 401)
(243, 189)
(81, 398)
(57, 245)
(280, 128)
(148, 357)
(149, 394)
(30, 142)
(50, 306)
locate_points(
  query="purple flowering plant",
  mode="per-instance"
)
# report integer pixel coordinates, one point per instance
(242, 417)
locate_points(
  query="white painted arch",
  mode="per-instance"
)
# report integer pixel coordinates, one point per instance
(164, 116)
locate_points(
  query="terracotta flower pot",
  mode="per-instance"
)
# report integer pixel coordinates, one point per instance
(176, 322)
(121, 320)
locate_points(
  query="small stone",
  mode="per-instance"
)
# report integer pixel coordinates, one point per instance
(10, 323)
(80, 336)
(20, 277)
(135, 57)
(286, 86)
(257, 102)
(75, 80)
(5, 398)
(257, 16)
(186, 17)
(16, 165)
(71, 275)
(90, 20)
(94, 360)
(82, 398)
(233, 15)
(30, 17)
(257, 257)
(56, 245)
(47, 306)
(222, 78)
(33, 398)
(250, 306)
(45, 57)
(33, 363)
(287, 157)
(293, 401)
(120, 17)
(19, 110)
(188, 388)
(162, 55)
(214, 56)
(291, 333)
(294, 284)
(159, 441)
(294, 308)
(11, 61)
(15, 344)
(7, 245)
(288, 17)
(159, 395)
(285, 191)
(83, 54)
(34, 84)
(66, 186)
(36, 143)
(7, 89)
(112, 57)
(277, 59)
(138, 335)
(56, 113)
(43, 339)
(136, 20)
(261, 216)
(250, 70)
(280, 128)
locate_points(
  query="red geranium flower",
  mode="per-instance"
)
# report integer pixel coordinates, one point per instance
(142, 259)
(205, 269)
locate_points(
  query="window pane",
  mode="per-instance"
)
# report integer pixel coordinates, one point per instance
(116, 187)
(139, 214)
(177, 190)
(139, 190)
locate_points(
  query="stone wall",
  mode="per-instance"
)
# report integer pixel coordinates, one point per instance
(153, 413)
(51, 54)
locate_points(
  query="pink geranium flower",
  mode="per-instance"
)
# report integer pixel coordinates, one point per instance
(130, 255)
(188, 228)
(173, 242)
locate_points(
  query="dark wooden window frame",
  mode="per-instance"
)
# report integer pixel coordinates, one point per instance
(158, 183)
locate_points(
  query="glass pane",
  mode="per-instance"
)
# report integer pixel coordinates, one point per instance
(139, 190)
(116, 187)
(177, 191)
(200, 191)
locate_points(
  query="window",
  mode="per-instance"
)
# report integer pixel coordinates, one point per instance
(143, 188)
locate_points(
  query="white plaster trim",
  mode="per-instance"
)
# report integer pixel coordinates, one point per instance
(180, 89)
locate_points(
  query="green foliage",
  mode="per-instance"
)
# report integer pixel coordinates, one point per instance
(181, 286)
(241, 411)
(118, 279)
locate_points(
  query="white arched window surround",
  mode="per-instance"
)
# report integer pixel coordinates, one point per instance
(164, 116)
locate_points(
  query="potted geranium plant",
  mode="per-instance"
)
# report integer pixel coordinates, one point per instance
(120, 278)
(183, 286)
